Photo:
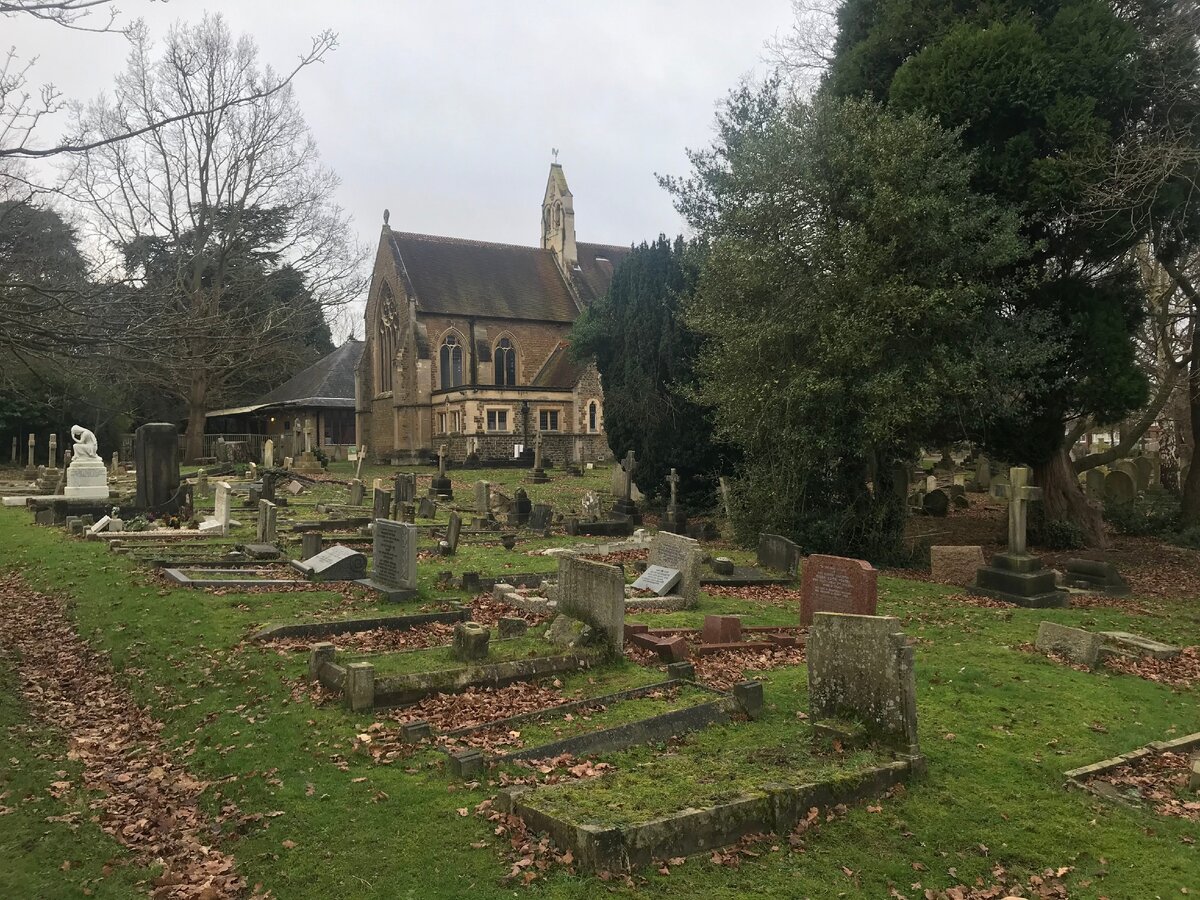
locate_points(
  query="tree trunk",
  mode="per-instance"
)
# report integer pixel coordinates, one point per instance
(1190, 509)
(197, 410)
(1062, 497)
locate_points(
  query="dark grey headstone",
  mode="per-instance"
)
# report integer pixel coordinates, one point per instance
(382, 505)
(337, 563)
(426, 509)
(156, 457)
(936, 503)
(541, 517)
(778, 554)
(453, 531)
(406, 487)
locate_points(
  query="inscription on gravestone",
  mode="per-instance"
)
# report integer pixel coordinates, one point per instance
(395, 554)
(659, 579)
(837, 584)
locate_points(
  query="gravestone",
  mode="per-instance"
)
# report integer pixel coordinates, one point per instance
(114, 466)
(778, 554)
(1144, 470)
(541, 516)
(382, 505)
(483, 498)
(268, 487)
(1093, 481)
(674, 551)
(394, 558)
(860, 668)
(625, 507)
(659, 579)
(266, 522)
(310, 544)
(1017, 576)
(1119, 487)
(86, 476)
(356, 492)
(441, 487)
(426, 509)
(955, 565)
(675, 521)
(1127, 466)
(406, 487)
(156, 458)
(983, 474)
(539, 473)
(453, 531)
(1096, 575)
(839, 585)
(268, 456)
(593, 593)
(1077, 645)
(223, 502)
(521, 508)
(202, 483)
(590, 506)
(31, 467)
(336, 563)
(936, 502)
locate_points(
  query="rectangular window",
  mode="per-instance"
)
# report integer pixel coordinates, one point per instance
(497, 420)
(441, 423)
(548, 420)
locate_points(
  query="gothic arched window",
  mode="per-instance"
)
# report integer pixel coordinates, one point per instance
(451, 362)
(505, 359)
(385, 340)
(593, 416)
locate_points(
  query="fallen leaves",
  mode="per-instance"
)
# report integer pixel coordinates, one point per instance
(136, 792)
(1160, 780)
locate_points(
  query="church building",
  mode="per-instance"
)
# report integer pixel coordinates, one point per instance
(466, 344)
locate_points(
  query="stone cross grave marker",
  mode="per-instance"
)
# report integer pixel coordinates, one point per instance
(442, 461)
(673, 480)
(1019, 492)
(362, 454)
(537, 450)
(395, 556)
(630, 460)
(837, 584)
(32, 447)
(52, 456)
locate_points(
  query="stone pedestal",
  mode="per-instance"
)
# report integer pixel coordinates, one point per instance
(1019, 578)
(627, 509)
(87, 478)
(441, 488)
(674, 521)
(307, 462)
(539, 476)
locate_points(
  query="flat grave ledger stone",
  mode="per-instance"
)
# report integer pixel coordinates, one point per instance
(541, 516)
(1119, 487)
(594, 593)
(674, 551)
(837, 584)
(659, 579)
(955, 565)
(394, 557)
(336, 563)
(861, 668)
(778, 554)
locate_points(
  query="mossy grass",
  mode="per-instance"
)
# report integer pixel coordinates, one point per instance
(998, 725)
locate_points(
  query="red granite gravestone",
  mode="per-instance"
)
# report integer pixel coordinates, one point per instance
(722, 630)
(839, 585)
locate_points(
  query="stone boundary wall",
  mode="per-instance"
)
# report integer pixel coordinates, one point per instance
(772, 808)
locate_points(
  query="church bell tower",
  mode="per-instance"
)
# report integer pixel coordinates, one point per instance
(558, 220)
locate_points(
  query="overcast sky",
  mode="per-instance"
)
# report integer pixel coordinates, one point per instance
(446, 112)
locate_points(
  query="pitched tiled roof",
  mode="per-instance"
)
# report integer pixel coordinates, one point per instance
(596, 264)
(452, 276)
(327, 382)
(559, 370)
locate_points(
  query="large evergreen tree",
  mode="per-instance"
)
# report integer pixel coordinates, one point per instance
(1047, 94)
(849, 302)
(646, 355)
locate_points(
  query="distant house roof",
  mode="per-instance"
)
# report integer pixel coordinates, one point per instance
(559, 370)
(453, 276)
(329, 382)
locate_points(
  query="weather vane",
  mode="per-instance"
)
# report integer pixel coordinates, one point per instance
(554, 151)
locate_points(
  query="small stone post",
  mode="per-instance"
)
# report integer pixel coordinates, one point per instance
(318, 655)
(32, 447)
(53, 455)
(360, 686)
(116, 462)
(15, 452)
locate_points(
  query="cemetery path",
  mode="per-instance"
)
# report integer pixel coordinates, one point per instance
(137, 793)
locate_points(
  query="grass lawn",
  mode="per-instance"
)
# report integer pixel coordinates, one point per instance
(998, 725)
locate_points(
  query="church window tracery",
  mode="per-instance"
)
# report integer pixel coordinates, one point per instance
(505, 362)
(451, 362)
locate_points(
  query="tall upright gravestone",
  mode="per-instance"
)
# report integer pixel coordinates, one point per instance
(156, 458)
(394, 559)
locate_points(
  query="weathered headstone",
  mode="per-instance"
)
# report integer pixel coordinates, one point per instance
(202, 483)
(860, 668)
(594, 593)
(1093, 481)
(406, 487)
(983, 474)
(31, 466)
(267, 512)
(541, 516)
(1077, 645)
(1144, 469)
(382, 506)
(837, 584)
(356, 492)
(674, 551)
(955, 565)
(625, 507)
(310, 544)
(156, 458)
(426, 508)
(778, 554)
(1119, 487)
(336, 563)
(394, 557)
(1097, 575)
(268, 456)
(483, 497)
(223, 501)
(936, 503)
(114, 467)
(453, 530)
(521, 508)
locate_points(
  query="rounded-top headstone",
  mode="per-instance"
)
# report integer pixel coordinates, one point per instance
(936, 503)
(1119, 487)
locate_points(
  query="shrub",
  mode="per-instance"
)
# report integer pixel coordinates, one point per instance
(1061, 534)
(1153, 515)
